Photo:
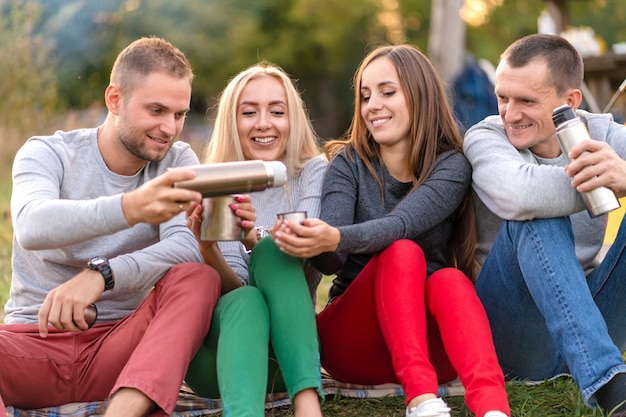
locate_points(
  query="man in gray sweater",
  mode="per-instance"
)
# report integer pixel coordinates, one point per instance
(97, 221)
(552, 307)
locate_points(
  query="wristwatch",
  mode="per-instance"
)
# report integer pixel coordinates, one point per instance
(261, 232)
(101, 264)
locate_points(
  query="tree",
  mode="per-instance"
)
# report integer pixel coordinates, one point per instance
(446, 42)
(319, 42)
(28, 82)
(27, 85)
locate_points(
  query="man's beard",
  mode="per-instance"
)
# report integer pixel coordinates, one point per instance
(137, 148)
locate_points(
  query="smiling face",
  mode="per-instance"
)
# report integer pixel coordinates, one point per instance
(384, 107)
(263, 119)
(525, 104)
(151, 117)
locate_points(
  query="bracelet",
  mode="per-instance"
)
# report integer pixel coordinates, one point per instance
(261, 232)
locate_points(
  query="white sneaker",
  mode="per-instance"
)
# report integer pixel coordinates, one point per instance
(430, 408)
(495, 414)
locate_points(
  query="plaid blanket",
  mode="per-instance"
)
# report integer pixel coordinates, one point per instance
(191, 405)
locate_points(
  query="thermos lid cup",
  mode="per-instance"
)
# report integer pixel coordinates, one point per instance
(293, 216)
(563, 114)
(279, 172)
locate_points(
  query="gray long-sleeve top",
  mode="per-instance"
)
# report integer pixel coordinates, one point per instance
(66, 208)
(352, 202)
(304, 191)
(515, 184)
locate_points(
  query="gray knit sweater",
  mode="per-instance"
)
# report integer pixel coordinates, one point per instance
(305, 192)
(518, 185)
(66, 208)
(368, 222)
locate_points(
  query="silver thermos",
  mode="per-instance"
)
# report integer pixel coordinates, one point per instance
(571, 131)
(224, 178)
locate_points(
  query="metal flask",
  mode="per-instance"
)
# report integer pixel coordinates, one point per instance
(224, 178)
(571, 131)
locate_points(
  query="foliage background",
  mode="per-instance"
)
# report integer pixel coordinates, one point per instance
(319, 42)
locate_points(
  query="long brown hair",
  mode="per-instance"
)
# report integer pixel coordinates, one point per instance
(433, 131)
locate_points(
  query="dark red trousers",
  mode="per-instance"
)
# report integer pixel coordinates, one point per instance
(149, 350)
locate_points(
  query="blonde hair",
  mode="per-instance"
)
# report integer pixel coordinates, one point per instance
(224, 144)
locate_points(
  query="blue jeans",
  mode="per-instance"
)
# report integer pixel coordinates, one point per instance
(547, 317)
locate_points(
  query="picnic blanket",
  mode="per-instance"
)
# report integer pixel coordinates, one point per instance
(191, 405)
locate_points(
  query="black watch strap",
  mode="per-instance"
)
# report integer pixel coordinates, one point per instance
(101, 264)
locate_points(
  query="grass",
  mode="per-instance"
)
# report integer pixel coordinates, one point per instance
(559, 398)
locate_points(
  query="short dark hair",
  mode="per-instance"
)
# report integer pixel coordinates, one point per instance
(565, 65)
(147, 55)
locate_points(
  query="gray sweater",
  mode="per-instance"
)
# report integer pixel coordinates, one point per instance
(368, 223)
(66, 208)
(305, 191)
(518, 185)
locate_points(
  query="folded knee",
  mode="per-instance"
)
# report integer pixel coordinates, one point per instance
(245, 303)
(405, 248)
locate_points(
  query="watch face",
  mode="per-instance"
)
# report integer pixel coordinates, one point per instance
(101, 264)
(261, 232)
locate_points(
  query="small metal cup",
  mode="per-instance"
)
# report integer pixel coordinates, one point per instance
(293, 216)
(218, 220)
(91, 314)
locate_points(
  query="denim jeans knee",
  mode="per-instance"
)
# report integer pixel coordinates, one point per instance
(543, 316)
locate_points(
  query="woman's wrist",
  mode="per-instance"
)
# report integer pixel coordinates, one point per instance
(254, 237)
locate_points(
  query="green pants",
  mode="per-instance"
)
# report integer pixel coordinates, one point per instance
(262, 338)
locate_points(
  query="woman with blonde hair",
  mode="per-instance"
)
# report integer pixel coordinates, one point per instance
(261, 116)
(397, 227)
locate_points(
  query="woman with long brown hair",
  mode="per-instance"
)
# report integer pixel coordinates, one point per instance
(397, 228)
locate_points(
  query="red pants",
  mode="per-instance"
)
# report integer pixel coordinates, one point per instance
(394, 325)
(149, 350)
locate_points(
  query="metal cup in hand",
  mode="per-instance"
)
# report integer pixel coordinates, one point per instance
(218, 220)
(293, 216)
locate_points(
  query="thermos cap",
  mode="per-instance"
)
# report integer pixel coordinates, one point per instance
(279, 171)
(563, 114)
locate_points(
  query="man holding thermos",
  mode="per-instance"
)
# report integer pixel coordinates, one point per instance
(553, 307)
(98, 221)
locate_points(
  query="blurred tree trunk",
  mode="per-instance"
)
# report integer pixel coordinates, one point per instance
(446, 40)
(559, 13)
(327, 110)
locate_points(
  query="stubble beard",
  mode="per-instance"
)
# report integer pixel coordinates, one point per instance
(134, 143)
